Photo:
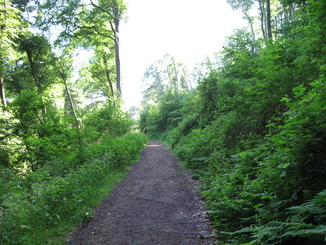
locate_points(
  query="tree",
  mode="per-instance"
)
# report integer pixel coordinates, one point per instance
(154, 82)
(62, 65)
(273, 15)
(265, 14)
(268, 19)
(165, 74)
(10, 26)
(111, 12)
(102, 70)
(245, 6)
(89, 25)
(38, 52)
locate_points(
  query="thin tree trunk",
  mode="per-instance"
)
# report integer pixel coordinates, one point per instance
(78, 124)
(117, 54)
(251, 26)
(3, 95)
(2, 74)
(35, 77)
(117, 64)
(34, 71)
(107, 73)
(252, 30)
(70, 99)
(269, 23)
(107, 88)
(291, 12)
(262, 17)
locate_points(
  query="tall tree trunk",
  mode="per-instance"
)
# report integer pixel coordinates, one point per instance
(253, 50)
(117, 53)
(251, 26)
(34, 71)
(117, 63)
(114, 22)
(35, 76)
(78, 124)
(262, 17)
(2, 74)
(269, 23)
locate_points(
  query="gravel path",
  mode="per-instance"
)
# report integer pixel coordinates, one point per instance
(155, 204)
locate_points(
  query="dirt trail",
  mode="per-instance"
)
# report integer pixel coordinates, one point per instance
(153, 205)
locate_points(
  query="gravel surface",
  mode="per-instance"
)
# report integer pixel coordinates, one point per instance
(155, 204)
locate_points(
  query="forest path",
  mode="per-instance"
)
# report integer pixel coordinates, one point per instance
(153, 205)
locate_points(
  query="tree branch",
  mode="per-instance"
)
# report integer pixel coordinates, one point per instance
(98, 32)
(108, 13)
(102, 9)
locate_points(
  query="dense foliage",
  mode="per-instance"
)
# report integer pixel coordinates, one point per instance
(42, 207)
(254, 130)
(64, 139)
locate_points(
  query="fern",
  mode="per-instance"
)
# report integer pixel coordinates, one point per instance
(318, 230)
(305, 225)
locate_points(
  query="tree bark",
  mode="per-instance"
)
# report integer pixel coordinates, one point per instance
(262, 17)
(3, 95)
(35, 76)
(251, 26)
(70, 99)
(117, 58)
(34, 71)
(114, 24)
(2, 74)
(118, 66)
(269, 23)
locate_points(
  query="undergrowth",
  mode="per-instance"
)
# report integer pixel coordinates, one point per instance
(44, 206)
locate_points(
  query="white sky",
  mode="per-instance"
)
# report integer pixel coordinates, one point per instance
(189, 30)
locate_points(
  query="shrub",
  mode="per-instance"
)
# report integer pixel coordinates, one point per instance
(49, 201)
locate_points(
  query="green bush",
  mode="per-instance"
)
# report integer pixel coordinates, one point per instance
(37, 208)
(271, 190)
(188, 123)
(109, 120)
